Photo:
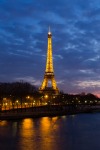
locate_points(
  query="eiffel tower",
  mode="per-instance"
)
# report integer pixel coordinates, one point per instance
(49, 71)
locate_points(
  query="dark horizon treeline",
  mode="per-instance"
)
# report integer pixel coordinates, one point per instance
(17, 90)
(20, 90)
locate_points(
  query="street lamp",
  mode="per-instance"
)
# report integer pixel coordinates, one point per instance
(46, 96)
(17, 104)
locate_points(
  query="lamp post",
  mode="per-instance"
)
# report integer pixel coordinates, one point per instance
(6, 105)
(28, 98)
(17, 104)
(46, 98)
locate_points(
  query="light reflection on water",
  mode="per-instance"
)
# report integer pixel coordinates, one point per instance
(26, 133)
(51, 133)
(38, 134)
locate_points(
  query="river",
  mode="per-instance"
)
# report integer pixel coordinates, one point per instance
(73, 132)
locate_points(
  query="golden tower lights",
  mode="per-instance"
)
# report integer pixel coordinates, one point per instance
(49, 71)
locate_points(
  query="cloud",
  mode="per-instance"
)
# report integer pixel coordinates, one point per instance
(88, 84)
(58, 56)
(95, 45)
(95, 58)
(29, 79)
(61, 82)
(87, 71)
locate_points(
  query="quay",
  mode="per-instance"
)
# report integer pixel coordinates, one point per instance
(44, 111)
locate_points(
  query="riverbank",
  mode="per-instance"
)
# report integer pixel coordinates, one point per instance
(44, 111)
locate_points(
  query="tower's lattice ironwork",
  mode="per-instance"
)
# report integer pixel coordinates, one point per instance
(49, 71)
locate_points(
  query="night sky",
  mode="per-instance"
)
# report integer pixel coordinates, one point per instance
(75, 27)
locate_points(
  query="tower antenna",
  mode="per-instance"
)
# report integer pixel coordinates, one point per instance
(49, 28)
(49, 32)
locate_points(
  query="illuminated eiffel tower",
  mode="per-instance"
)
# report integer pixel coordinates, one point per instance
(49, 71)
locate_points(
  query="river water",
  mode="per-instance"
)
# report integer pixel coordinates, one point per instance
(74, 132)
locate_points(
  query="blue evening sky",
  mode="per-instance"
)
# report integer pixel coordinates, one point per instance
(75, 27)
